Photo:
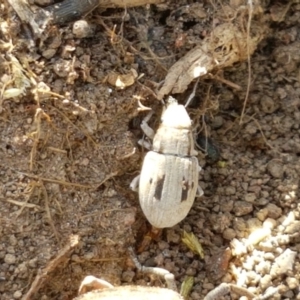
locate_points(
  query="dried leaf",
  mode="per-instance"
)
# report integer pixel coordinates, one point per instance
(122, 81)
(12, 93)
(20, 81)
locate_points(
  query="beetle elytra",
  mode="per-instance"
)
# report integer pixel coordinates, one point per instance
(168, 182)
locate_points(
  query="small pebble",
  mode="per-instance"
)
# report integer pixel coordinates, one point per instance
(230, 190)
(128, 276)
(62, 68)
(239, 224)
(13, 241)
(262, 214)
(162, 245)
(242, 208)
(10, 259)
(283, 263)
(270, 223)
(266, 246)
(269, 256)
(17, 294)
(293, 228)
(258, 235)
(248, 264)
(229, 234)
(208, 286)
(265, 281)
(82, 29)
(191, 272)
(250, 197)
(263, 267)
(159, 259)
(49, 53)
(274, 211)
(289, 295)
(267, 104)
(173, 237)
(253, 278)
(253, 224)
(217, 122)
(275, 168)
(292, 282)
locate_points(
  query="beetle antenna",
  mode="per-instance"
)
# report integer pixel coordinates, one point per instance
(192, 95)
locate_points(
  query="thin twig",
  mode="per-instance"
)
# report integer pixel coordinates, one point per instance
(248, 59)
(47, 208)
(62, 182)
(43, 274)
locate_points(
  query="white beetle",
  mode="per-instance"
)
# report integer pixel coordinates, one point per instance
(168, 182)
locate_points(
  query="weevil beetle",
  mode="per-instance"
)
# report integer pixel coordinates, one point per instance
(168, 182)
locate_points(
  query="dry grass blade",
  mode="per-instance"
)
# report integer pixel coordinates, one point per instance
(192, 242)
(186, 286)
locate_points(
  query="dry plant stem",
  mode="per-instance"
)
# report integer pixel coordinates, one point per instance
(22, 204)
(43, 274)
(27, 16)
(109, 176)
(31, 188)
(248, 58)
(36, 135)
(263, 135)
(66, 183)
(67, 10)
(62, 182)
(113, 37)
(98, 213)
(78, 128)
(229, 83)
(47, 208)
(101, 259)
(206, 57)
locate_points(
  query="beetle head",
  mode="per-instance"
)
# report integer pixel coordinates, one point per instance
(175, 115)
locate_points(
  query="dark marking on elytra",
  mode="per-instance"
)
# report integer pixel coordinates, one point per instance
(151, 180)
(159, 188)
(185, 189)
(191, 142)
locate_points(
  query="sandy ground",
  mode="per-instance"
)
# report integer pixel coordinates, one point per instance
(68, 151)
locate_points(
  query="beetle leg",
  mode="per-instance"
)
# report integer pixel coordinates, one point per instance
(199, 189)
(145, 144)
(91, 283)
(225, 288)
(149, 132)
(169, 277)
(134, 185)
(151, 235)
